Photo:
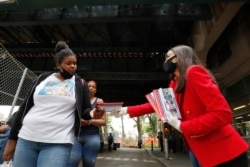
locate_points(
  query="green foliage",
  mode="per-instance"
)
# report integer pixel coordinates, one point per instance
(150, 124)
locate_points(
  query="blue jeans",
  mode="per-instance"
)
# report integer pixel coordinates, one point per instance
(35, 154)
(193, 159)
(3, 141)
(86, 148)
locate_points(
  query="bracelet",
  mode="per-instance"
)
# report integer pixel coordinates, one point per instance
(90, 121)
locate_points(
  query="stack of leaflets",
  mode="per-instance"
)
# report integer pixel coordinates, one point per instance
(162, 101)
(113, 106)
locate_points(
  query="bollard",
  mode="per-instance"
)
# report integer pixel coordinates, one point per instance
(152, 145)
(166, 148)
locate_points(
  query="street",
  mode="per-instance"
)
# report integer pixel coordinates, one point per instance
(127, 157)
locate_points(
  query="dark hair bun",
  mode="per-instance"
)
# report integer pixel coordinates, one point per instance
(60, 46)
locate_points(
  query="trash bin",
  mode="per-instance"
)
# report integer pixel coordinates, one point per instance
(114, 146)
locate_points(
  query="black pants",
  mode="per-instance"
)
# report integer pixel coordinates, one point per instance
(139, 145)
(161, 145)
(240, 161)
(109, 146)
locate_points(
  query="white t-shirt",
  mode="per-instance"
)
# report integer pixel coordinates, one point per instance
(52, 117)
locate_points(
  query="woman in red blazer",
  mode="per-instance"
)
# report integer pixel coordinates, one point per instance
(206, 115)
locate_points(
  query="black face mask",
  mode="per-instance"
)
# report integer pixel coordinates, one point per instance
(65, 74)
(169, 67)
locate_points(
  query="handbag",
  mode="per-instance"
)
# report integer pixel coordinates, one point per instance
(7, 164)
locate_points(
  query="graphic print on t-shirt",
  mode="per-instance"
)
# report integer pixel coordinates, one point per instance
(64, 88)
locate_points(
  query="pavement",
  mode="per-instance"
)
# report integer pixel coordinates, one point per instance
(133, 155)
(179, 159)
(174, 160)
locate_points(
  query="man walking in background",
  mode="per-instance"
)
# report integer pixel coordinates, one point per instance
(110, 141)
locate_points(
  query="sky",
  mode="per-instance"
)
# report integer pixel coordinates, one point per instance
(128, 123)
(5, 110)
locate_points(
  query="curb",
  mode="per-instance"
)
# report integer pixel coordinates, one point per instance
(161, 160)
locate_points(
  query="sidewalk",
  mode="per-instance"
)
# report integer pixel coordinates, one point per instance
(175, 159)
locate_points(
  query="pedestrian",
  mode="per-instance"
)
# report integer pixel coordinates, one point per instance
(160, 140)
(87, 145)
(206, 115)
(110, 141)
(4, 134)
(171, 141)
(49, 117)
(139, 143)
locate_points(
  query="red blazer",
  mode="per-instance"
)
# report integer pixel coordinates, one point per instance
(206, 120)
(139, 110)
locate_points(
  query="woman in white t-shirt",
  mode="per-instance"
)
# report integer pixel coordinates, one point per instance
(49, 118)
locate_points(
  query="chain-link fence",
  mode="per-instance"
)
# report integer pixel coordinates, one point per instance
(15, 80)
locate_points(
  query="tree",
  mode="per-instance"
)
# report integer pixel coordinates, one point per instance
(143, 126)
(151, 127)
(139, 126)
